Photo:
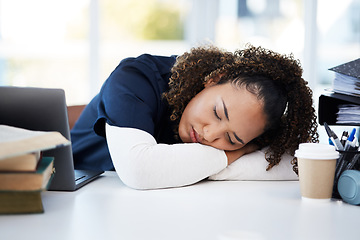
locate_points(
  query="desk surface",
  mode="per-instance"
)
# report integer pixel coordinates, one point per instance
(106, 209)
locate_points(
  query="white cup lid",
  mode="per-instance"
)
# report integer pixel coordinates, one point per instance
(316, 151)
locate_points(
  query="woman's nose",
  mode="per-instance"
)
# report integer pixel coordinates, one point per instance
(213, 132)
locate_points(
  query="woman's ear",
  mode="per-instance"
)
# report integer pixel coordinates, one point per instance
(212, 81)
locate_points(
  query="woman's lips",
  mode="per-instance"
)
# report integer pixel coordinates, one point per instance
(194, 136)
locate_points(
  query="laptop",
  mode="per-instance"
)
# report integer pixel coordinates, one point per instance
(45, 109)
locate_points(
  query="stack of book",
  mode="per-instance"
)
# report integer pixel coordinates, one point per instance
(347, 82)
(24, 172)
(347, 78)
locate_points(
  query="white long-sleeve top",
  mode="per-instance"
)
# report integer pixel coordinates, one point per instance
(142, 163)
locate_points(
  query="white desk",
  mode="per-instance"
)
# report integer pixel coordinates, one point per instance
(106, 209)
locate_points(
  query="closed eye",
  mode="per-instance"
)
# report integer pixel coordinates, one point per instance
(216, 115)
(229, 138)
(227, 134)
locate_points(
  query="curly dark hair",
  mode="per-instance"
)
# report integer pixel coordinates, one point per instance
(274, 78)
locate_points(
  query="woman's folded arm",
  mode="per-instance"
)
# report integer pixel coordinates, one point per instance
(142, 163)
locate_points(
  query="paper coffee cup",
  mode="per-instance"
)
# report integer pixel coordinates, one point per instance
(316, 165)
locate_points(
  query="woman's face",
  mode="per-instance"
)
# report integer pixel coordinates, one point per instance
(222, 116)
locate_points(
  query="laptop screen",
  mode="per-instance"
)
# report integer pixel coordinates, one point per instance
(41, 109)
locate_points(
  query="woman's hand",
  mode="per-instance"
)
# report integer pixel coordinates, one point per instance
(234, 155)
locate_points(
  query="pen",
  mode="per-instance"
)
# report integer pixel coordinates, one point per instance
(333, 137)
(340, 164)
(350, 143)
(344, 137)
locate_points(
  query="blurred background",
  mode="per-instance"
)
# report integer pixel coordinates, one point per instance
(75, 45)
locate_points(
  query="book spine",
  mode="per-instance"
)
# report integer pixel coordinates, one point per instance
(21, 202)
(30, 181)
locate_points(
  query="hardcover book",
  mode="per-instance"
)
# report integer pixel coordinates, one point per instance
(16, 202)
(28, 181)
(18, 141)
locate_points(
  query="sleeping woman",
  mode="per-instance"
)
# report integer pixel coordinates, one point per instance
(172, 121)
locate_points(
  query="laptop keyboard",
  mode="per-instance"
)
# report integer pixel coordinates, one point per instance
(79, 175)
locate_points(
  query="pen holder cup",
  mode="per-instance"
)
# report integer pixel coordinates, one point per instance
(348, 160)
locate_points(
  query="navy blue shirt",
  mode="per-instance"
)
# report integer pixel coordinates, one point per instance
(130, 97)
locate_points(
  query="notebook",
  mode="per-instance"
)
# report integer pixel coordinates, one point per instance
(45, 109)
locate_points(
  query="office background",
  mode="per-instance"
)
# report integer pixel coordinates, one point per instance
(75, 45)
